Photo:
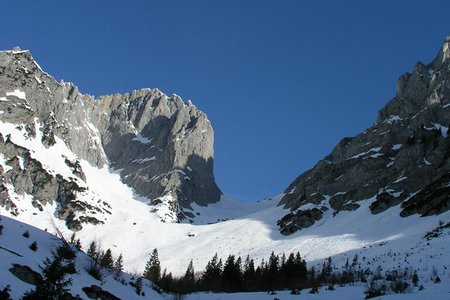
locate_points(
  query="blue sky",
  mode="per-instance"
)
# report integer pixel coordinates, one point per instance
(281, 81)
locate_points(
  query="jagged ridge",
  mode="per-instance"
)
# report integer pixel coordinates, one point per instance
(162, 145)
(405, 152)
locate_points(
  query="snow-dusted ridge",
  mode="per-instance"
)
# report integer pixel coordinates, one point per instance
(148, 135)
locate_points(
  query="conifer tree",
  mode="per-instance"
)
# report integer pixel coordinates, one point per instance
(166, 282)
(118, 267)
(188, 281)
(92, 250)
(138, 286)
(272, 271)
(118, 264)
(4, 293)
(211, 276)
(231, 275)
(415, 279)
(249, 274)
(300, 266)
(283, 260)
(189, 275)
(55, 285)
(74, 241)
(107, 260)
(152, 269)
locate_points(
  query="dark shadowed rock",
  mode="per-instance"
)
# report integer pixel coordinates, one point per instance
(433, 199)
(298, 220)
(96, 292)
(26, 274)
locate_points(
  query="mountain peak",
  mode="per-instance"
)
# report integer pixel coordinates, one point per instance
(446, 49)
(161, 145)
(401, 159)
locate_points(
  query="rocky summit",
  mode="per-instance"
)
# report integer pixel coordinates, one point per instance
(162, 146)
(403, 159)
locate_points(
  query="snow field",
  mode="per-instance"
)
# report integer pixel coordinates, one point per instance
(227, 227)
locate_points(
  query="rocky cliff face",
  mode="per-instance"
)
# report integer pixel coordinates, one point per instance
(162, 146)
(402, 159)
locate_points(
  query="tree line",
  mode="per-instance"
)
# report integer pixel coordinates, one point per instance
(233, 274)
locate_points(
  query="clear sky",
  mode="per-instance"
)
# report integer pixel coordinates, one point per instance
(281, 81)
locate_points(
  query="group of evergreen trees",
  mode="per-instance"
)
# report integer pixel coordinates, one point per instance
(103, 260)
(278, 272)
(233, 275)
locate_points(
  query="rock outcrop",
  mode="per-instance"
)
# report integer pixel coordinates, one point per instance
(96, 292)
(402, 159)
(162, 145)
(26, 274)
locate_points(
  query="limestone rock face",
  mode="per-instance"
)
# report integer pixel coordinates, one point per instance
(162, 146)
(402, 159)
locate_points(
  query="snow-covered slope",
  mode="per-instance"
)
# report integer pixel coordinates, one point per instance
(128, 225)
(14, 249)
(434, 291)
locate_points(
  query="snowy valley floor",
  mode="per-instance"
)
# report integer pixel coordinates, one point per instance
(437, 291)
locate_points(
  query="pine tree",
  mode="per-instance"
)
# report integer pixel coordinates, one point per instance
(118, 264)
(283, 260)
(211, 276)
(92, 251)
(300, 265)
(76, 242)
(166, 281)
(107, 260)
(355, 260)
(188, 281)
(189, 275)
(272, 271)
(33, 246)
(415, 279)
(312, 275)
(118, 267)
(152, 269)
(289, 272)
(54, 284)
(4, 293)
(326, 271)
(249, 274)
(138, 286)
(232, 275)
